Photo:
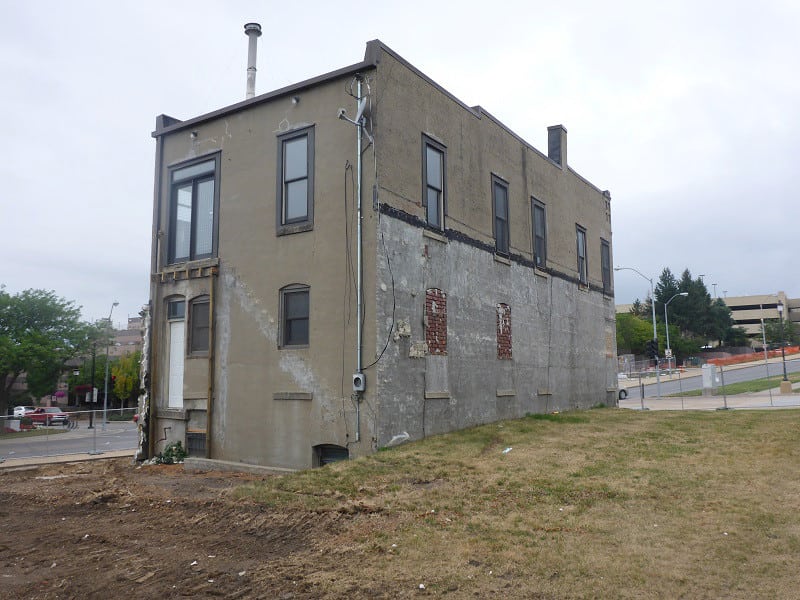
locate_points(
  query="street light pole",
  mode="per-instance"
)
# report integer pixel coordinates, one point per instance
(653, 307)
(105, 392)
(666, 322)
(783, 344)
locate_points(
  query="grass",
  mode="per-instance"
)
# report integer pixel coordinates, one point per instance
(54, 430)
(597, 504)
(745, 387)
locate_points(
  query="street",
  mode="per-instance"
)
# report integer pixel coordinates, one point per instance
(119, 435)
(680, 384)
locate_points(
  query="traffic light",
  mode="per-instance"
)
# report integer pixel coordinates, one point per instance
(651, 348)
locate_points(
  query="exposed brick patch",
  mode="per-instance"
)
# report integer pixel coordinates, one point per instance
(503, 331)
(436, 321)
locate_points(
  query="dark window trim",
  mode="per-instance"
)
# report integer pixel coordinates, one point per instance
(605, 265)
(191, 326)
(442, 208)
(296, 225)
(583, 274)
(172, 211)
(540, 262)
(284, 291)
(499, 181)
(175, 301)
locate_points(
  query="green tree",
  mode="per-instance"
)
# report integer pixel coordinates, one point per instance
(666, 287)
(772, 330)
(126, 371)
(39, 332)
(632, 333)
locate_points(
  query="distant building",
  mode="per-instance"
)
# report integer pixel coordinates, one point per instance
(127, 340)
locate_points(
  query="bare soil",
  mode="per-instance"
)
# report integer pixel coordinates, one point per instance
(108, 529)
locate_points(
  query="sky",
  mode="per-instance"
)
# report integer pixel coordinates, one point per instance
(688, 112)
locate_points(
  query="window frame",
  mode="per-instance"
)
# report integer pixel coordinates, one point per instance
(539, 260)
(173, 187)
(583, 260)
(298, 224)
(193, 327)
(499, 182)
(441, 209)
(284, 329)
(605, 265)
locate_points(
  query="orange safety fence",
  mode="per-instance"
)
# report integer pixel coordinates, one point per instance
(743, 358)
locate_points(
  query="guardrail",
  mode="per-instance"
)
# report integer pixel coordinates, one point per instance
(83, 432)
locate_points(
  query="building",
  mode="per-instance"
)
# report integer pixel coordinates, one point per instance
(748, 312)
(484, 267)
(128, 340)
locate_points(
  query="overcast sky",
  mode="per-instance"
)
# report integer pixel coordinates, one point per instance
(686, 111)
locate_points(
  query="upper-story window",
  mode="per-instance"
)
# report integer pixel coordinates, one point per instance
(500, 214)
(605, 264)
(433, 178)
(539, 234)
(583, 270)
(295, 193)
(192, 211)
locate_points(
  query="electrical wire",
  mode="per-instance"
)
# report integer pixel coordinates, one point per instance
(394, 298)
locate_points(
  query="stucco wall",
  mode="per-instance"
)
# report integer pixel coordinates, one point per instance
(562, 353)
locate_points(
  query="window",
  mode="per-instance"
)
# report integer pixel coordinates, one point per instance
(176, 312)
(583, 273)
(433, 192)
(500, 214)
(199, 323)
(504, 331)
(605, 264)
(436, 321)
(294, 311)
(295, 193)
(539, 234)
(192, 211)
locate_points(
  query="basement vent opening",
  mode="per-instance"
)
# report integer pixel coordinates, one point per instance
(329, 453)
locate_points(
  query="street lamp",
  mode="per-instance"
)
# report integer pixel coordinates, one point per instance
(105, 392)
(652, 306)
(666, 322)
(783, 344)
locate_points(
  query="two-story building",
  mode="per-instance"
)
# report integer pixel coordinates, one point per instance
(361, 259)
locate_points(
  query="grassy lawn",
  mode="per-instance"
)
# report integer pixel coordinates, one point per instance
(744, 387)
(605, 503)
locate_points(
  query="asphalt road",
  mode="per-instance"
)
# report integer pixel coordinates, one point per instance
(730, 375)
(119, 435)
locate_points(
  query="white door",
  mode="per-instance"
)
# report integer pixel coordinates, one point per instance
(177, 349)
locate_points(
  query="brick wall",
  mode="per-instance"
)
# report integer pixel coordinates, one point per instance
(503, 331)
(436, 321)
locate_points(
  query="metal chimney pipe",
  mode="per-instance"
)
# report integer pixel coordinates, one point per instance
(252, 31)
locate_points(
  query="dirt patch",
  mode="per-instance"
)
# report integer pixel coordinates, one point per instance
(107, 529)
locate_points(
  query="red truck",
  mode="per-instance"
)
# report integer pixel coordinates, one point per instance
(48, 415)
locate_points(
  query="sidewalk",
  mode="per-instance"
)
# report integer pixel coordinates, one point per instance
(12, 463)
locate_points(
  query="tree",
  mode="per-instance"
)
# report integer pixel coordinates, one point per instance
(39, 332)
(126, 371)
(632, 333)
(772, 330)
(666, 287)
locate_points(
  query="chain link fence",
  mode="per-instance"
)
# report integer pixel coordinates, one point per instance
(81, 432)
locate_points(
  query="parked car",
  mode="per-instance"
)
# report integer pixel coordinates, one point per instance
(48, 415)
(20, 411)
